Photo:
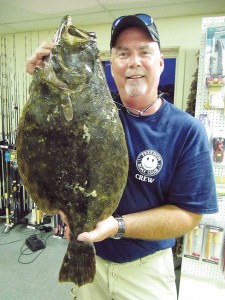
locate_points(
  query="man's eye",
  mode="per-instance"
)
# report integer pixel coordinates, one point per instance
(123, 54)
(145, 52)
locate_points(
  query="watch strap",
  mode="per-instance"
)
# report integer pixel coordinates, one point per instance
(121, 227)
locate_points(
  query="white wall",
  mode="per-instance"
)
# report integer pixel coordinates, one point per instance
(184, 33)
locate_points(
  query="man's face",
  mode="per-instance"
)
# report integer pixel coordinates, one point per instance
(136, 65)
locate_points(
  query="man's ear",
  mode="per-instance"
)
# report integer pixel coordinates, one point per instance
(161, 64)
(111, 68)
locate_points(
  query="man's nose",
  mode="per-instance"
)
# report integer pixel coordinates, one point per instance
(135, 60)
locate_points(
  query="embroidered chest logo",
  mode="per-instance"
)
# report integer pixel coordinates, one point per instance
(149, 163)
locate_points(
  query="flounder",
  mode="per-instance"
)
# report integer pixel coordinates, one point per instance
(71, 148)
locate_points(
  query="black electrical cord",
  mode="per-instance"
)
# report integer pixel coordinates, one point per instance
(22, 252)
(37, 228)
(11, 242)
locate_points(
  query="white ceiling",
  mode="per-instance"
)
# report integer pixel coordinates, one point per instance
(34, 15)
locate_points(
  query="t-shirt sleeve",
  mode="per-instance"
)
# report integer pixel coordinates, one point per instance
(192, 186)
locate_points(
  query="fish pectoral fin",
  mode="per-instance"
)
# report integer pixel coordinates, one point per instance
(67, 106)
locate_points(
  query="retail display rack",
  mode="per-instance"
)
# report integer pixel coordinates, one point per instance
(204, 247)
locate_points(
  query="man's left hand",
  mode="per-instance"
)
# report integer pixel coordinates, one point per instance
(104, 229)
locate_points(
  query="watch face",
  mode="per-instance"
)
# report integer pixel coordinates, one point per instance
(117, 237)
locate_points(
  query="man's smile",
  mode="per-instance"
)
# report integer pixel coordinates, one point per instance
(135, 76)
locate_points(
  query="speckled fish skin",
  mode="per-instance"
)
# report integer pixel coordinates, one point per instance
(71, 147)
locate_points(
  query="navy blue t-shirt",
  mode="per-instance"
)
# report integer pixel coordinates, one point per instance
(169, 164)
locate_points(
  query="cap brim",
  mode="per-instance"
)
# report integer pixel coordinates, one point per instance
(130, 21)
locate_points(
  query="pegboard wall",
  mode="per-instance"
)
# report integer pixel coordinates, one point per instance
(197, 268)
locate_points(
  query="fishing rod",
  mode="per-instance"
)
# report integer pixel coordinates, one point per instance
(15, 92)
(2, 180)
(9, 103)
(4, 143)
(7, 200)
(1, 200)
(6, 100)
(17, 108)
(2, 94)
(6, 88)
(1, 83)
(15, 205)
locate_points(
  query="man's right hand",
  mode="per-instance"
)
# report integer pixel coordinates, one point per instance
(36, 60)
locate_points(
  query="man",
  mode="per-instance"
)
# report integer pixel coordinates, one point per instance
(170, 183)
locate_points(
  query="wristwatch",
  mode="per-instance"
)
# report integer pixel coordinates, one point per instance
(121, 229)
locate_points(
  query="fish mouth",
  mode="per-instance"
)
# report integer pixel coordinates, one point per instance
(72, 34)
(79, 35)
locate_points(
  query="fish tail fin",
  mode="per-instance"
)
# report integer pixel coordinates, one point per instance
(79, 263)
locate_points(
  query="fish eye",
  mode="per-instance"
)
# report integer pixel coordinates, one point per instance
(92, 34)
